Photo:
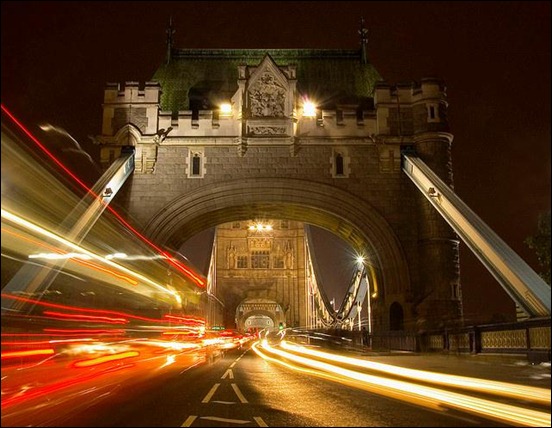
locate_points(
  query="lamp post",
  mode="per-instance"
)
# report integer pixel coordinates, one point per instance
(369, 305)
(359, 307)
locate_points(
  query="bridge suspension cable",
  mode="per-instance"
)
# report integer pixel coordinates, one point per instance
(321, 313)
(351, 307)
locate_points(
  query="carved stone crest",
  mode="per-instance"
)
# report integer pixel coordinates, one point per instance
(267, 97)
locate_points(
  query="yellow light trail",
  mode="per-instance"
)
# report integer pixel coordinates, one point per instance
(35, 228)
(420, 395)
(523, 392)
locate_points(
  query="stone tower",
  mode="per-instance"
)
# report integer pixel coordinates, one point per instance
(260, 273)
(312, 136)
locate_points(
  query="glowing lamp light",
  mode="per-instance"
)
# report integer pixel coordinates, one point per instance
(360, 260)
(259, 227)
(309, 109)
(226, 108)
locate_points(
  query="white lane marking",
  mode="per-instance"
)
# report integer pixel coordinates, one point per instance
(233, 364)
(239, 393)
(260, 421)
(232, 421)
(210, 393)
(223, 402)
(191, 367)
(228, 373)
(188, 422)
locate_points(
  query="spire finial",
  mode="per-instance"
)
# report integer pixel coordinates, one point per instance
(363, 32)
(170, 32)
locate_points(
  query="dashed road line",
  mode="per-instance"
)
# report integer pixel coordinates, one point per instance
(233, 364)
(260, 421)
(239, 393)
(223, 402)
(232, 421)
(189, 421)
(228, 373)
(210, 393)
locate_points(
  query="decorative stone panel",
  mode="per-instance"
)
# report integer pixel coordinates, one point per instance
(267, 97)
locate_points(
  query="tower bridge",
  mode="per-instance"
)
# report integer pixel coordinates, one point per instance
(232, 139)
(339, 169)
(308, 136)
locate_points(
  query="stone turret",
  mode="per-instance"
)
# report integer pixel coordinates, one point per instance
(131, 105)
(416, 114)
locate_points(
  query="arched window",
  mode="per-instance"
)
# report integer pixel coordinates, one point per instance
(196, 164)
(396, 317)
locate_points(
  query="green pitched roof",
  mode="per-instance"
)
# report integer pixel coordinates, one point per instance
(328, 76)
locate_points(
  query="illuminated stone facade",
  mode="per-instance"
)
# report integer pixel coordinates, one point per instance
(260, 273)
(199, 165)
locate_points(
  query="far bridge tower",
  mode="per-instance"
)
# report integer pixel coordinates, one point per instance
(261, 273)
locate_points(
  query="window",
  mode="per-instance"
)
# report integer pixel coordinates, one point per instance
(196, 165)
(236, 225)
(284, 224)
(260, 259)
(433, 113)
(339, 164)
(242, 262)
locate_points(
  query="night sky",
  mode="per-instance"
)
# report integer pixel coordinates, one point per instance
(493, 56)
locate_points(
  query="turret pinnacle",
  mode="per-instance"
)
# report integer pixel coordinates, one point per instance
(363, 32)
(170, 32)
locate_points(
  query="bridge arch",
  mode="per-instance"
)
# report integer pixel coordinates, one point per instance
(322, 205)
(255, 307)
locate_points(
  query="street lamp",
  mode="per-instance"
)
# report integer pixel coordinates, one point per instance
(360, 261)
(359, 306)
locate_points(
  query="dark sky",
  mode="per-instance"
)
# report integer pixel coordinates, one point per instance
(493, 56)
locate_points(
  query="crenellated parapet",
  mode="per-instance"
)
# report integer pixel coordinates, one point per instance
(267, 109)
(406, 109)
(131, 105)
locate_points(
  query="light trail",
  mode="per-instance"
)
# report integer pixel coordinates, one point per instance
(421, 395)
(522, 392)
(48, 234)
(177, 264)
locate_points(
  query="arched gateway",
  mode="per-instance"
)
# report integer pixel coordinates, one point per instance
(312, 136)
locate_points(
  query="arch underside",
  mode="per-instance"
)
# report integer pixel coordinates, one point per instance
(322, 205)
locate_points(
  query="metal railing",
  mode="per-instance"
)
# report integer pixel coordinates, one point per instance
(529, 338)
